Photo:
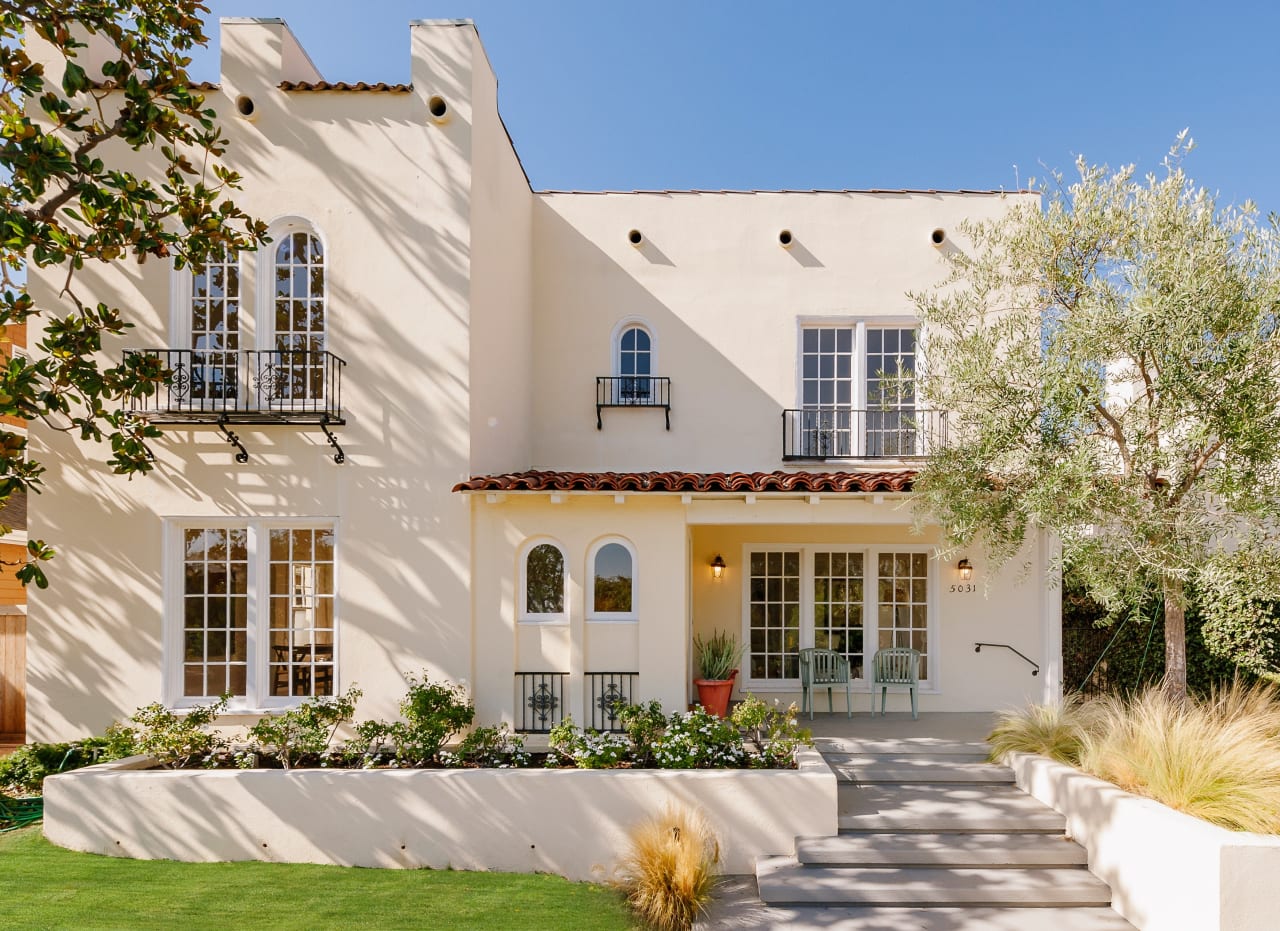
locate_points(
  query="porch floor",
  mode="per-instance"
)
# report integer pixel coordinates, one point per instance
(940, 726)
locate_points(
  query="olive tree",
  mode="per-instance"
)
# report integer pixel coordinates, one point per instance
(68, 197)
(1110, 361)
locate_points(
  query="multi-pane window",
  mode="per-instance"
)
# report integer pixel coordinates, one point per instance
(300, 589)
(215, 328)
(257, 611)
(215, 619)
(837, 605)
(903, 603)
(544, 582)
(890, 367)
(774, 614)
(635, 365)
(611, 582)
(299, 318)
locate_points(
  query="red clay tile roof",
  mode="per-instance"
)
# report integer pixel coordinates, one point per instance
(381, 87)
(197, 86)
(739, 482)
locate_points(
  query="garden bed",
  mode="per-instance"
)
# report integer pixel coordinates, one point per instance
(1168, 871)
(571, 822)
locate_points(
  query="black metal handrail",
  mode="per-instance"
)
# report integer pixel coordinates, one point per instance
(298, 385)
(850, 433)
(607, 694)
(632, 391)
(1035, 667)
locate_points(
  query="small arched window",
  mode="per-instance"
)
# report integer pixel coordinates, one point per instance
(544, 583)
(612, 565)
(634, 360)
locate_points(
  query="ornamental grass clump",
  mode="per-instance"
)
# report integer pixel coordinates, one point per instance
(669, 869)
(1054, 730)
(1216, 758)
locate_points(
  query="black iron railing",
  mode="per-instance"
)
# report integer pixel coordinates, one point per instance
(632, 391)
(846, 433)
(607, 694)
(539, 701)
(247, 385)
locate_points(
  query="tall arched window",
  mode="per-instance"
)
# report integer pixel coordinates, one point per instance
(611, 564)
(299, 320)
(215, 329)
(543, 594)
(635, 363)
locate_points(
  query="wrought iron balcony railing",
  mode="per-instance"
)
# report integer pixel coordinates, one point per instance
(245, 386)
(633, 391)
(846, 433)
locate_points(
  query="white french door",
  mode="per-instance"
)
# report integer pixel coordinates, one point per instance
(853, 600)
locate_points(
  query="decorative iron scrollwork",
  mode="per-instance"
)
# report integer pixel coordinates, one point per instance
(241, 457)
(542, 703)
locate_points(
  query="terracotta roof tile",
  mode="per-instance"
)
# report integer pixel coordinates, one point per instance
(382, 87)
(729, 482)
(197, 86)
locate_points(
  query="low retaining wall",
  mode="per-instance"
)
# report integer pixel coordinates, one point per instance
(570, 822)
(1168, 871)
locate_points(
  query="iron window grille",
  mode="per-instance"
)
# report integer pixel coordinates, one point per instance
(539, 701)
(607, 694)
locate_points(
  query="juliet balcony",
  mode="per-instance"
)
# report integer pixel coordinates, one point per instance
(247, 386)
(652, 391)
(848, 433)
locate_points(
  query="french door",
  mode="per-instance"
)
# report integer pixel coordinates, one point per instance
(853, 600)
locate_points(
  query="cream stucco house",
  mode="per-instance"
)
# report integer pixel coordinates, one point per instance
(551, 412)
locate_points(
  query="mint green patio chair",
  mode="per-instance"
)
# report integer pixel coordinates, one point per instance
(897, 666)
(820, 668)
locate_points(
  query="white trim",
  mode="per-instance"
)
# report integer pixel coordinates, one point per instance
(611, 616)
(523, 615)
(257, 699)
(870, 604)
(615, 343)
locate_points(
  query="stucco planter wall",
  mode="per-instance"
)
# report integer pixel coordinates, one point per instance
(570, 822)
(1168, 871)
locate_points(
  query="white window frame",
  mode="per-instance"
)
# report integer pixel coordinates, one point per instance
(258, 699)
(615, 344)
(265, 305)
(523, 614)
(182, 292)
(612, 617)
(870, 602)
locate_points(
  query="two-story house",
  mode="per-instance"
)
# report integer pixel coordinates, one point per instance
(533, 441)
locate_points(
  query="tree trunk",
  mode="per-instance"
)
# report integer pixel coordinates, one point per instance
(1175, 638)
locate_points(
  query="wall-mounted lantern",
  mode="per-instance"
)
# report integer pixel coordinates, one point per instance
(966, 569)
(717, 567)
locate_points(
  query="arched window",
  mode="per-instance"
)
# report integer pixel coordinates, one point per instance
(611, 565)
(634, 361)
(298, 322)
(543, 583)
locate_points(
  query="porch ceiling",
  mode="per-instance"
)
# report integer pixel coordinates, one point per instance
(835, 482)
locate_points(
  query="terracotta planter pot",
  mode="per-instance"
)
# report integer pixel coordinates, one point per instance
(713, 694)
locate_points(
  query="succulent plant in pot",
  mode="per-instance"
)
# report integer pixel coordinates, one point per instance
(717, 658)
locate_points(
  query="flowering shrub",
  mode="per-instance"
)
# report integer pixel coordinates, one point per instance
(699, 740)
(775, 730)
(305, 730)
(586, 749)
(490, 746)
(176, 740)
(644, 725)
(433, 712)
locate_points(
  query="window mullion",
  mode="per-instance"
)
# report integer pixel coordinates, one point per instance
(255, 602)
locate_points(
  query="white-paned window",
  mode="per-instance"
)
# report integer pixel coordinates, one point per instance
(852, 600)
(856, 394)
(298, 326)
(543, 583)
(612, 568)
(633, 365)
(255, 615)
(215, 329)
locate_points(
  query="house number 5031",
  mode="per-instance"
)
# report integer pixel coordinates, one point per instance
(963, 587)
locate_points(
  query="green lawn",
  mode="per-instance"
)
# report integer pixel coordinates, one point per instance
(43, 886)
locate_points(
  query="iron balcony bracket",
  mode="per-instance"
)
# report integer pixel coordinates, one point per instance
(241, 457)
(339, 457)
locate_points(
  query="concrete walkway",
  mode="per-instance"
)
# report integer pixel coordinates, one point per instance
(931, 838)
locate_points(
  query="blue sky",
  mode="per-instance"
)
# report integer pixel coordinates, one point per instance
(741, 94)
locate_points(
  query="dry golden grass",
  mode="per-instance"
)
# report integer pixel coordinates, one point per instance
(670, 868)
(1056, 731)
(1217, 758)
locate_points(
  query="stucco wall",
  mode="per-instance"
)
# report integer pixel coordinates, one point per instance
(723, 300)
(388, 191)
(570, 822)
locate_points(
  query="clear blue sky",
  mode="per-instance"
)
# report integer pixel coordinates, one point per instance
(742, 94)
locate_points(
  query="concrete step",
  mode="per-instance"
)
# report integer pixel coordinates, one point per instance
(996, 851)
(920, 768)
(930, 809)
(784, 881)
(936, 746)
